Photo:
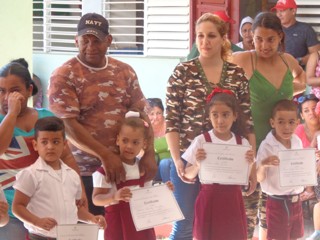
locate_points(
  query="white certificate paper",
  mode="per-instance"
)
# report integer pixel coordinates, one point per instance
(225, 164)
(77, 232)
(297, 167)
(153, 206)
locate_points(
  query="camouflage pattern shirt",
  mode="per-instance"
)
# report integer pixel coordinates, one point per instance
(97, 98)
(186, 95)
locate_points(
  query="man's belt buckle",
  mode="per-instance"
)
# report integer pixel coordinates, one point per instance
(295, 199)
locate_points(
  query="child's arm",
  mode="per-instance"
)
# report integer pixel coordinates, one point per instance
(191, 171)
(4, 216)
(19, 209)
(86, 216)
(267, 162)
(104, 196)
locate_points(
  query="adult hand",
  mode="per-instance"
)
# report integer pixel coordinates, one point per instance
(148, 169)
(180, 171)
(14, 103)
(46, 223)
(113, 167)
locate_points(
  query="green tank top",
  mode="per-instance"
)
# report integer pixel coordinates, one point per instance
(263, 96)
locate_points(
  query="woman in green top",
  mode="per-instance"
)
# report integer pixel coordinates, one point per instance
(163, 157)
(273, 75)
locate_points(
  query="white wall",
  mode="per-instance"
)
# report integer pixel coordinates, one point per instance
(16, 30)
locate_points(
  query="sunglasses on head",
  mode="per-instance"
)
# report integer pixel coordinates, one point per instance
(308, 97)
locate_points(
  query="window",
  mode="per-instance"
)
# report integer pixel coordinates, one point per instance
(309, 12)
(126, 20)
(138, 27)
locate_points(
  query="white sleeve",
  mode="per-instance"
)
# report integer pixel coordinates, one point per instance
(264, 151)
(25, 182)
(99, 180)
(190, 154)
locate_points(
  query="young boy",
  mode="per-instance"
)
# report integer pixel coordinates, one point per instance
(284, 212)
(47, 191)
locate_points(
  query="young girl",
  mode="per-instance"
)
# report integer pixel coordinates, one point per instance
(130, 140)
(219, 209)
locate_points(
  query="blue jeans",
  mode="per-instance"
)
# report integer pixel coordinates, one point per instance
(185, 195)
(14, 230)
(163, 173)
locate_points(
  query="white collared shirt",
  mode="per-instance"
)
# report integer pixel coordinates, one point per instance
(271, 184)
(50, 195)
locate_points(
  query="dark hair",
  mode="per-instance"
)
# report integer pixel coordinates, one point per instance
(155, 102)
(51, 124)
(136, 123)
(270, 21)
(19, 67)
(222, 28)
(306, 98)
(239, 126)
(284, 105)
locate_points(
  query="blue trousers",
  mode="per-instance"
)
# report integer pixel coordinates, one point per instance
(163, 173)
(14, 230)
(185, 195)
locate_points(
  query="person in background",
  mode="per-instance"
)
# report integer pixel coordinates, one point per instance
(131, 140)
(246, 34)
(313, 73)
(273, 75)
(228, 20)
(300, 38)
(155, 113)
(219, 207)
(316, 223)
(91, 93)
(283, 208)
(48, 192)
(17, 132)
(186, 117)
(307, 131)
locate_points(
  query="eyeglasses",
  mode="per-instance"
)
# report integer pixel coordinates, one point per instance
(308, 97)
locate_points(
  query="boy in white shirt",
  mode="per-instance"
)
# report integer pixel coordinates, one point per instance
(47, 192)
(284, 211)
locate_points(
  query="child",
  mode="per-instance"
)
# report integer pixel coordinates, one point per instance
(47, 191)
(283, 208)
(4, 216)
(130, 140)
(219, 209)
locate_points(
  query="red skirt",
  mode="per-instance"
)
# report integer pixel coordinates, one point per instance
(220, 213)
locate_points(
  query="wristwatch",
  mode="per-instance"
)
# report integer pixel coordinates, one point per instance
(299, 59)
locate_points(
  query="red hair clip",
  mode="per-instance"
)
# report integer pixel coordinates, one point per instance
(217, 91)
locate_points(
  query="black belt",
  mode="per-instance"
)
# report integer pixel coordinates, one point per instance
(36, 237)
(289, 198)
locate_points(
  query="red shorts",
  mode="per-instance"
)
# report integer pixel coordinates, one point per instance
(284, 219)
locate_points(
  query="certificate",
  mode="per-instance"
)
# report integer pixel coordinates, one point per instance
(77, 232)
(297, 167)
(225, 164)
(153, 206)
